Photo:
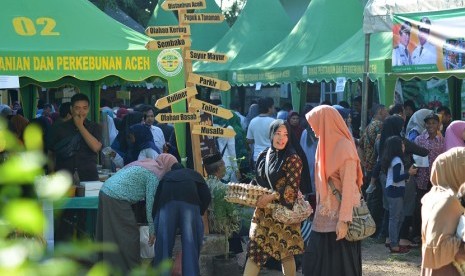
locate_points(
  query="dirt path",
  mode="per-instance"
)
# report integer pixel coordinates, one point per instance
(377, 261)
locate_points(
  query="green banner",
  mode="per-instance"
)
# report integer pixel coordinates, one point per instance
(131, 65)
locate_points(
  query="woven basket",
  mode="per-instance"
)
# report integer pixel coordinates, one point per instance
(245, 194)
(460, 266)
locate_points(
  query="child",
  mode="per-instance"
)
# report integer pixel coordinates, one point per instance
(395, 188)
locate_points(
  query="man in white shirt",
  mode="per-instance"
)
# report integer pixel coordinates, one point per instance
(258, 132)
(149, 120)
(425, 52)
(400, 54)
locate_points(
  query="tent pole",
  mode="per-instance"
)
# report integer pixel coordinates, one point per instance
(366, 79)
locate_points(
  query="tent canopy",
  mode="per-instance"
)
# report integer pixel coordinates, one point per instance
(377, 16)
(253, 34)
(53, 43)
(160, 17)
(324, 26)
(48, 40)
(347, 60)
(295, 9)
(206, 35)
(120, 16)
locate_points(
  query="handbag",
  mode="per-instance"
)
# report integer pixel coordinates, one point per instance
(363, 225)
(299, 212)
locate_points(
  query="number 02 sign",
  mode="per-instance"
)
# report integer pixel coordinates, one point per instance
(26, 27)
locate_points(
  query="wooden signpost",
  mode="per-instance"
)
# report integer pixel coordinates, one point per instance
(176, 97)
(168, 43)
(175, 30)
(211, 109)
(209, 82)
(194, 106)
(171, 5)
(201, 18)
(206, 56)
(178, 117)
(213, 131)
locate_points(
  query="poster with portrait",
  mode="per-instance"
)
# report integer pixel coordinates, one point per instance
(428, 42)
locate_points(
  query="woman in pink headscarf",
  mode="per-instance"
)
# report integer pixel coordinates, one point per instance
(328, 253)
(116, 221)
(455, 135)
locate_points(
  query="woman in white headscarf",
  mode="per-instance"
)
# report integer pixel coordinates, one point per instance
(416, 125)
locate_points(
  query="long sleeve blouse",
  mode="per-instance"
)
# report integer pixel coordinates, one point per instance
(133, 184)
(440, 214)
(344, 180)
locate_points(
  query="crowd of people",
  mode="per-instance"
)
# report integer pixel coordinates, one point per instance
(407, 163)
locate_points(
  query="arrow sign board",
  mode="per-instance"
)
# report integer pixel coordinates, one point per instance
(201, 18)
(213, 131)
(206, 56)
(168, 43)
(211, 109)
(155, 31)
(178, 117)
(176, 97)
(171, 5)
(209, 82)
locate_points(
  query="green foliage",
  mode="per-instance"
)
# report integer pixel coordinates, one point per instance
(22, 221)
(139, 10)
(25, 214)
(225, 216)
(233, 12)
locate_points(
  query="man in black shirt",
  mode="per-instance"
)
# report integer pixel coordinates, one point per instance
(182, 198)
(74, 144)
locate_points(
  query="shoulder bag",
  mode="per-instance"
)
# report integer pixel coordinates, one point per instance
(299, 212)
(363, 224)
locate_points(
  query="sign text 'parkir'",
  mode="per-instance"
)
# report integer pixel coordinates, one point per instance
(209, 82)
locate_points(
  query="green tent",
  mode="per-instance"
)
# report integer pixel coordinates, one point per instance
(295, 9)
(206, 35)
(160, 17)
(255, 32)
(347, 61)
(54, 43)
(324, 26)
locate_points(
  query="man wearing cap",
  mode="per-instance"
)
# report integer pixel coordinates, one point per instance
(215, 168)
(433, 141)
(400, 54)
(425, 52)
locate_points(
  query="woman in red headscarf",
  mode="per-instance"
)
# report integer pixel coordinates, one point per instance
(337, 161)
(294, 121)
